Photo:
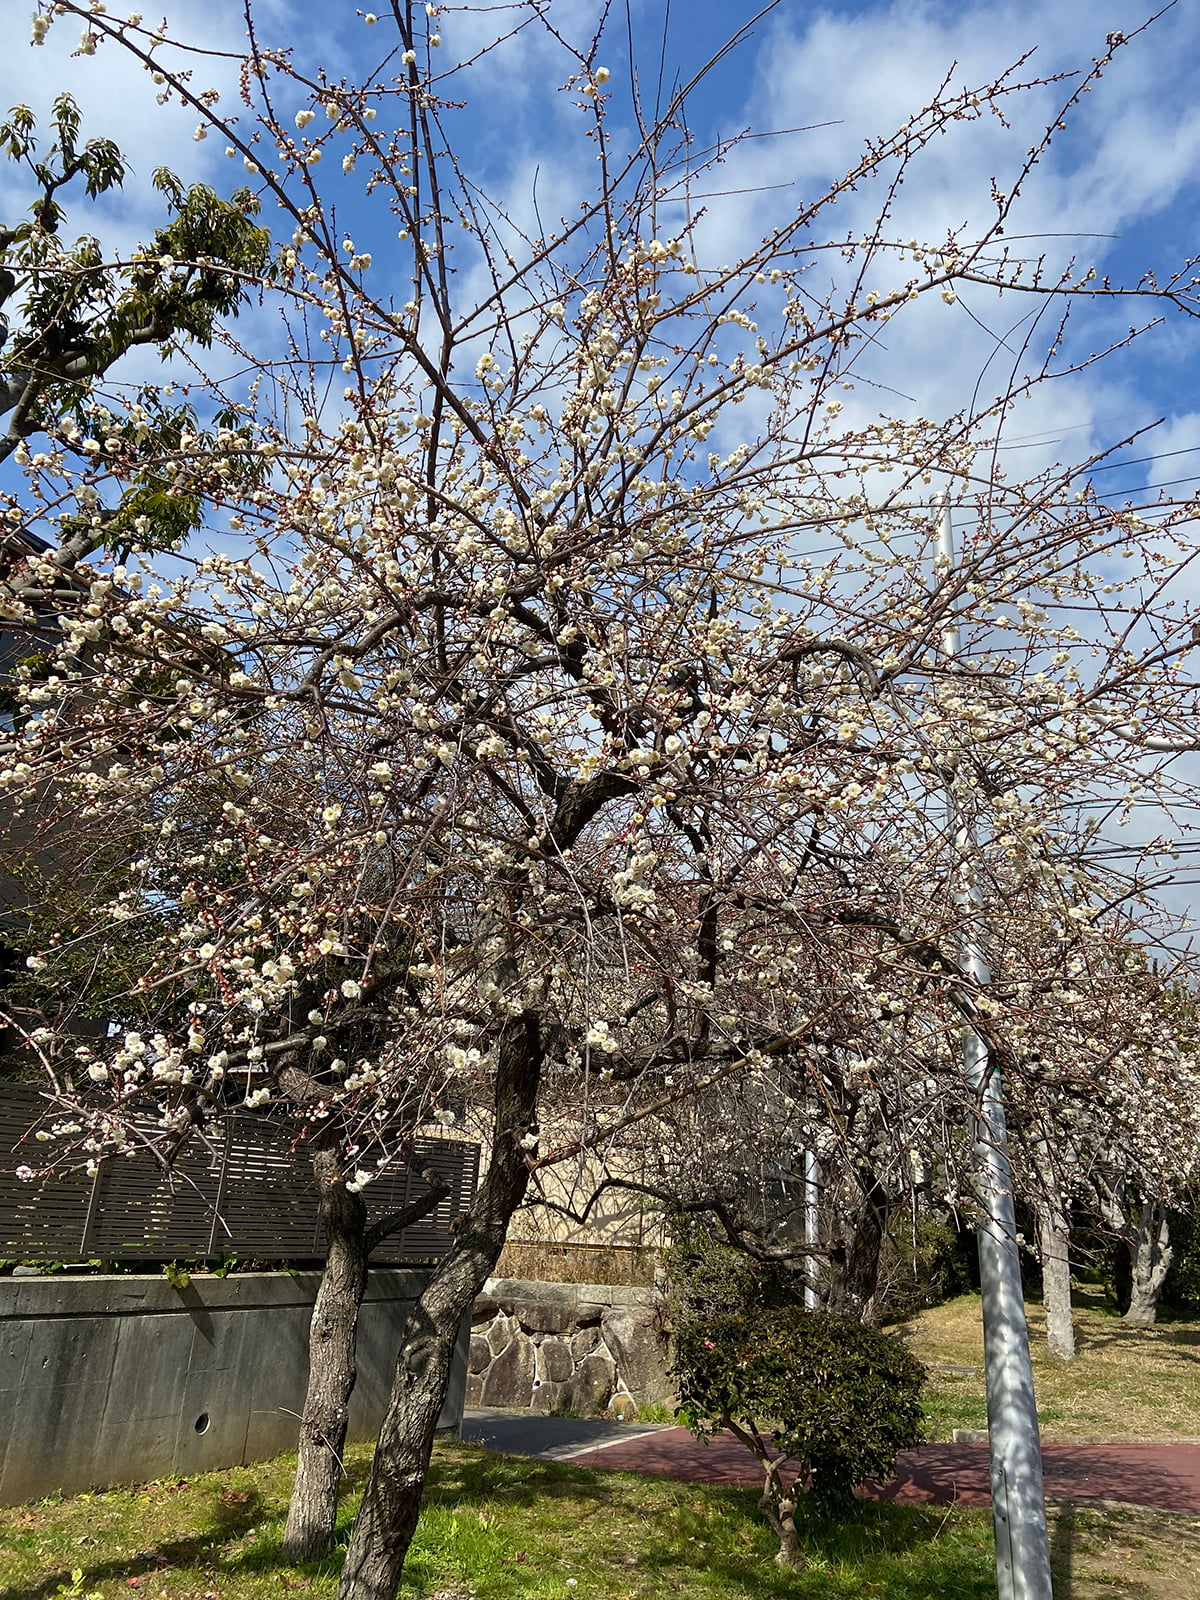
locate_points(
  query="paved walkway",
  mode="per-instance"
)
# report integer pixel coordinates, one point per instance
(1165, 1476)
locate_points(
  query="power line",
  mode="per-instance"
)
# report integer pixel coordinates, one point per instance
(1137, 461)
(1148, 488)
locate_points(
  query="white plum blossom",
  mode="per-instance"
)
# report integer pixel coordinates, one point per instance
(563, 649)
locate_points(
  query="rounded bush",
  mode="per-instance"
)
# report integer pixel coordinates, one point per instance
(838, 1398)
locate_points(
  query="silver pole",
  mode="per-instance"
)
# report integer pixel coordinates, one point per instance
(1018, 1494)
(812, 1299)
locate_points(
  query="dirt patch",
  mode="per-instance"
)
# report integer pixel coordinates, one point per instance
(1124, 1555)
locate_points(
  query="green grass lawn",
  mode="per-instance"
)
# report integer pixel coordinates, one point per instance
(504, 1528)
(1125, 1383)
(496, 1527)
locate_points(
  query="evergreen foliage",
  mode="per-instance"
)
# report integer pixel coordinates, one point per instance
(838, 1399)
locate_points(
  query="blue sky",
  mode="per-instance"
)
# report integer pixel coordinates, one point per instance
(1125, 170)
(1118, 188)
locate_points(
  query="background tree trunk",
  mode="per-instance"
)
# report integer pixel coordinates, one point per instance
(1150, 1256)
(1054, 1248)
(332, 1342)
(854, 1270)
(391, 1502)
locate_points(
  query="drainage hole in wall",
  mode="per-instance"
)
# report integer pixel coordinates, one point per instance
(201, 1423)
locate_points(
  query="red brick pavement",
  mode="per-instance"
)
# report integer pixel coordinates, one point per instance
(1166, 1476)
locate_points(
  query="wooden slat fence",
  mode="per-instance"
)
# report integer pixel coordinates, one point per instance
(245, 1192)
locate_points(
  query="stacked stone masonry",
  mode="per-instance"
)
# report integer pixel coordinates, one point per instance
(590, 1349)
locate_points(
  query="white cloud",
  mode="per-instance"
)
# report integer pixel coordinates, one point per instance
(1129, 151)
(118, 101)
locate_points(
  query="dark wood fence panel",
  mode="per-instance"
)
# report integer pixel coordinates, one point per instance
(244, 1191)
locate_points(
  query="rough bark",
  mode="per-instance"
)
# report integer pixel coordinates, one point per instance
(1054, 1245)
(854, 1269)
(332, 1341)
(391, 1502)
(1054, 1249)
(1143, 1227)
(332, 1346)
(1150, 1256)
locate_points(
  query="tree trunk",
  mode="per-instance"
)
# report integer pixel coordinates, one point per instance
(333, 1344)
(1150, 1256)
(778, 1506)
(778, 1502)
(391, 1502)
(332, 1341)
(854, 1282)
(1054, 1249)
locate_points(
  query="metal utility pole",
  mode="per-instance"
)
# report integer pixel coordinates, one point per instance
(1018, 1495)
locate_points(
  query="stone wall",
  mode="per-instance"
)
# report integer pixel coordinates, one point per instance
(551, 1261)
(593, 1349)
(123, 1379)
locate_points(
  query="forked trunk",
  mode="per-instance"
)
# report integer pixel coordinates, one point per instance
(333, 1344)
(778, 1502)
(332, 1341)
(391, 1503)
(1150, 1256)
(778, 1506)
(1054, 1249)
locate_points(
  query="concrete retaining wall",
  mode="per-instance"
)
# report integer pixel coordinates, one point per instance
(122, 1379)
(594, 1348)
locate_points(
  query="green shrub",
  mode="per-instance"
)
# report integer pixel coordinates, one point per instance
(922, 1265)
(707, 1279)
(832, 1397)
(840, 1398)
